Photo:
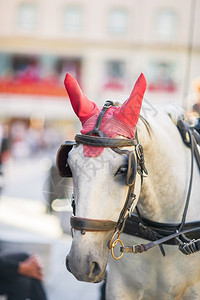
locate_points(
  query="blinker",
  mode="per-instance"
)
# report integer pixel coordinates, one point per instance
(61, 159)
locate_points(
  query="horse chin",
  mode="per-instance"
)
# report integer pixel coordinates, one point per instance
(101, 277)
(95, 279)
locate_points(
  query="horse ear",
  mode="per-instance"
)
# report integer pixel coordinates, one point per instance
(129, 112)
(82, 106)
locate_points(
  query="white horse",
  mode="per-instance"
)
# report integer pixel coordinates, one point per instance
(100, 191)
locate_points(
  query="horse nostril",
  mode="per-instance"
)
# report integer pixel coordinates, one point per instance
(95, 270)
(67, 264)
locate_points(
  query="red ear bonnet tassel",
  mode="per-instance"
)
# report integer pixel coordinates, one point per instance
(116, 121)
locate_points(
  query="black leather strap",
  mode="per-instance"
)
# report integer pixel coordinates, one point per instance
(104, 141)
(100, 117)
(184, 129)
(157, 230)
(144, 247)
(166, 233)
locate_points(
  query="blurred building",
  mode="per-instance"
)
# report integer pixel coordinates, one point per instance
(104, 44)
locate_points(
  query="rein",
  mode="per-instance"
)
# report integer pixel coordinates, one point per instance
(186, 246)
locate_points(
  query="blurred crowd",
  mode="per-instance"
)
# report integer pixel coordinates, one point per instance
(27, 139)
(20, 139)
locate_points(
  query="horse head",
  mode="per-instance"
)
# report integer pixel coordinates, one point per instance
(107, 164)
(103, 179)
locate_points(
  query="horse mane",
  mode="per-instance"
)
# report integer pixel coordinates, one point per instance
(146, 124)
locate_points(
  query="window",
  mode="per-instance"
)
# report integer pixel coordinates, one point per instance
(115, 75)
(5, 61)
(115, 69)
(117, 21)
(73, 19)
(26, 68)
(162, 77)
(27, 17)
(166, 22)
(71, 65)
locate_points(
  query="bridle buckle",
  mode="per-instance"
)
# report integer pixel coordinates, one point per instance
(139, 150)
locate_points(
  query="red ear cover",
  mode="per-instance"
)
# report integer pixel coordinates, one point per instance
(129, 112)
(82, 106)
(117, 120)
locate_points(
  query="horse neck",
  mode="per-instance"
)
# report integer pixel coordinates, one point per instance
(162, 195)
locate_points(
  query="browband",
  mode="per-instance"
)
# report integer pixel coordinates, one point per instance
(97, 141)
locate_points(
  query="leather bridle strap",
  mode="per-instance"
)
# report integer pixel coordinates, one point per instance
(83, 224)
(105, 142)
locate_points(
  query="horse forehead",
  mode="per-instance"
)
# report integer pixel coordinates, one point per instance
(107, 157)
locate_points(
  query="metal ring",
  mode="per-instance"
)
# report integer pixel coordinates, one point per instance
(114, 244)
(114, 235)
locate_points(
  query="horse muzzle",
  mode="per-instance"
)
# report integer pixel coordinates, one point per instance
(86, 267)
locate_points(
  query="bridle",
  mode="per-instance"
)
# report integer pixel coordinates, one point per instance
(136, 164)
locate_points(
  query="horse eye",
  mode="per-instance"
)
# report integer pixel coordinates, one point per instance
(121, 170)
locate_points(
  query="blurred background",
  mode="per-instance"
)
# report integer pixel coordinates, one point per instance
(105, 45)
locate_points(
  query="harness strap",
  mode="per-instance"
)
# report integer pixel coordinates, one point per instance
(190, 183)
(187, 246)
(196, 152)
(151, 230)
(186, 130)
(144, 247)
